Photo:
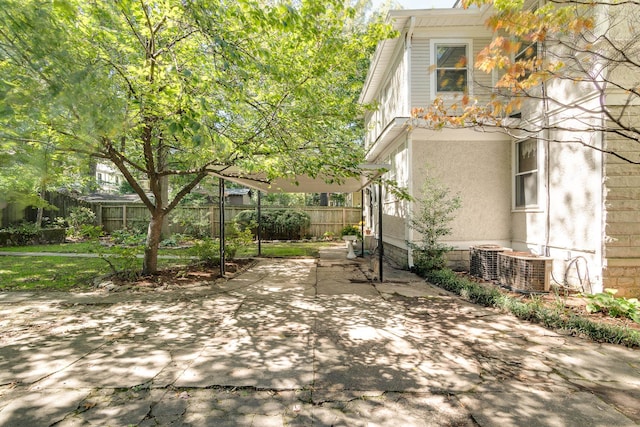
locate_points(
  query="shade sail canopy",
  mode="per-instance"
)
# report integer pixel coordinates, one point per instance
(322, 183)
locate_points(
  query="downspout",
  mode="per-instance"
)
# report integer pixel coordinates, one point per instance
(408, 230)
(547, 162)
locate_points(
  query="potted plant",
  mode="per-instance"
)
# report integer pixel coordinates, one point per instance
(351, 230)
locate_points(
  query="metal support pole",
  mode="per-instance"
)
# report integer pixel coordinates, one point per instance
(221, 204)
(380, 243)
(362, 223)
(259, 223)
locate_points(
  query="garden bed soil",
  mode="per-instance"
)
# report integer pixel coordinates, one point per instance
(179, 277)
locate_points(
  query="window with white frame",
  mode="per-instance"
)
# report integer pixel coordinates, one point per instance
(451, 67)
(526, 174)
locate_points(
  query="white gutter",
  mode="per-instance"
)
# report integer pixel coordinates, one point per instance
(409, 42)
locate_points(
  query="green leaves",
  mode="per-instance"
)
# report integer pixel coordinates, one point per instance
(606, 302)
(179, 89)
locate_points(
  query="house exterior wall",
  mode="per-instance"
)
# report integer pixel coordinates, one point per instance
(477, 170)
(108, 178)
(567, 224)
(622, 201)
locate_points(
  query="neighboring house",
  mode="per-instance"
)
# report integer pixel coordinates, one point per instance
(238, 196)
(108, 178)
(559, 200)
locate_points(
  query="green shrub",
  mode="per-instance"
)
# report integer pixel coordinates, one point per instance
(19, 235)
(192, 221)
(436, 210)
(126, 258)
(290, 224)
(79, 218)
(207, 251)
(236, 238)
(128, 237)
(90, 232)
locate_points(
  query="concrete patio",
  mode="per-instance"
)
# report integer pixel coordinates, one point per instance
(300, 342)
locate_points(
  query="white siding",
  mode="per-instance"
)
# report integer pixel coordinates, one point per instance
(420, 63)
(392, 101)
(483, 82)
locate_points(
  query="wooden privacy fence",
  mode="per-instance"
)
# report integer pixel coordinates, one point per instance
(205, 220)
(16, 212)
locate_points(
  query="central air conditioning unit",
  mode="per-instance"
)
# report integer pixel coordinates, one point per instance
(483, 261)
(524, 271)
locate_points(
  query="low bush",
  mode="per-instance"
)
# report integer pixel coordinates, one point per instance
(207, 251)
(236, 238)
(606, 302)
(289, 224)
(533, 310)
(30, 234)
(128, 237)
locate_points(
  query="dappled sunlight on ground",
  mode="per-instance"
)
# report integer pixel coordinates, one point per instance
(293, 341)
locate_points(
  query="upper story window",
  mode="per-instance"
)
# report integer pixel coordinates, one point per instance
(450, 61)
(452, 74)
(526, 174)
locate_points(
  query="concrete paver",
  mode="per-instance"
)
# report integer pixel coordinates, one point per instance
(300, 342)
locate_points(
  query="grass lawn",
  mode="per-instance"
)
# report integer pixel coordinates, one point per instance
(55, 273)
(85, 248)
(284, 249)
(59, 273)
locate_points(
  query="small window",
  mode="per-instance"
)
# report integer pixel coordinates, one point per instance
(526, 176)
(451, 68)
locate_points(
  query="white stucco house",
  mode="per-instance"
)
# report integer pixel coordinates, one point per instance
(559, 200)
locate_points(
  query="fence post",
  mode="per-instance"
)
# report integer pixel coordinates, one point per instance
(124, 216)
(99, 215)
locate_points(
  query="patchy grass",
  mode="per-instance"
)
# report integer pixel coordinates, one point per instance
(57, 273)
(60, 273)
(88, 248)
(74, 248)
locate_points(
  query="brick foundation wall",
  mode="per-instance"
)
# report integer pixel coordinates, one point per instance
(396, 255)
(624, 278)
(457, 260)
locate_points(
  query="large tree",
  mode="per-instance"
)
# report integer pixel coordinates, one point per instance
(166, 89)
(577, 56)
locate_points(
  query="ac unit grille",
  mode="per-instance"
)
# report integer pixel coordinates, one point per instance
(483, 261)
(524, 272)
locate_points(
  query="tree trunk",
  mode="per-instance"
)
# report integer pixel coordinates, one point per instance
(39, 216)
(154, 233)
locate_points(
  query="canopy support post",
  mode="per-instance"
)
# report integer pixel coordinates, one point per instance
(222, 238)
(259, 232)
(380, 243)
